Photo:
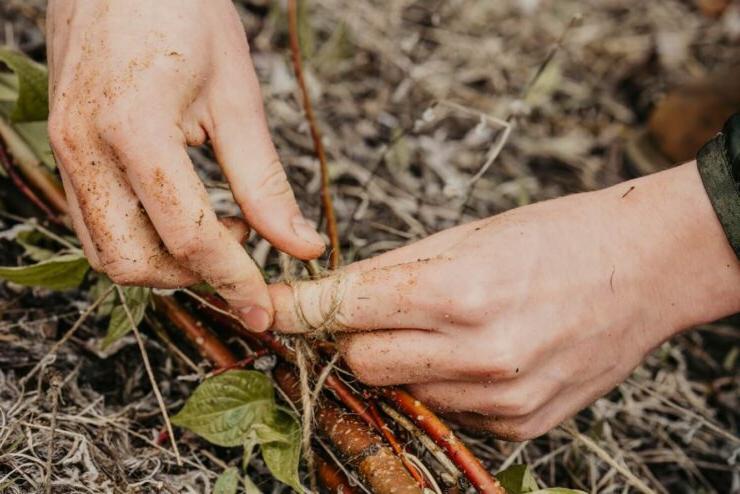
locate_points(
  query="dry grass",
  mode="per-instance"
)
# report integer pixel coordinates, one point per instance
(408, 93)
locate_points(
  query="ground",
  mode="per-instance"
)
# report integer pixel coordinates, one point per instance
(411, 97)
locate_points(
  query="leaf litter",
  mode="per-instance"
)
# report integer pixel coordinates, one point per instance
(377, 76)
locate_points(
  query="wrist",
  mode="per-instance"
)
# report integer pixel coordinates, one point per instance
(688, 273)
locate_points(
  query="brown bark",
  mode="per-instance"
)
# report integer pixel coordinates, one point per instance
(332, 478)
(207, 344)
(326, 201)
(438, 431)
(359, 445)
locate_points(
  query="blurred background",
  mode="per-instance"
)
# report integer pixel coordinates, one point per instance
(436, 112)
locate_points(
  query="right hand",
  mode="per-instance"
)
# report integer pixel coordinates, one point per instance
(133, 83)
(514, 323)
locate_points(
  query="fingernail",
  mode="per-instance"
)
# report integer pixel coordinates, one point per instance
(303, 229)
(256, 318)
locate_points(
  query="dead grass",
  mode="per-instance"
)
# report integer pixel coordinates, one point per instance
(382, 74)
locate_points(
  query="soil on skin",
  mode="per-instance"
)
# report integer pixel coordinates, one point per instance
(377, 71)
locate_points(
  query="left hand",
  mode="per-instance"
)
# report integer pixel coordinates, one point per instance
(516, 322)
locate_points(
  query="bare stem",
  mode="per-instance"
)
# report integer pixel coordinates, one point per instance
(318, 145)
(427, 421)
(7, 165)
(207, 344)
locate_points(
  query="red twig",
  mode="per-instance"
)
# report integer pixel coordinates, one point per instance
(356, 441)
(333, 478)
(202, 338)
(318, 145)
(438, 431)
(395, 445)
(242, 363)
(366, 411)
(7, 165)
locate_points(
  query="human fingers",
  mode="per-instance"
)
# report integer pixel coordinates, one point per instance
(177, 204)
(400, 356)
(392, 297)
(244, 148)
(78, 223)
(114, 230)
(545, 418)
(507, 396)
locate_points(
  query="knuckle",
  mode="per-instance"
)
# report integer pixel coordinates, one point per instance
(480, 364)
(113, 125)
(62, 137)
(514, 404)
(506, 365)
(189, 248)
(473, 369)
(527, 430)
(472, 307)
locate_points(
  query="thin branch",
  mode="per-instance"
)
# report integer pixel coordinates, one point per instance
(427, 421)
(332, 477)
(162, 334)
(240, 364)
(150, 373)
(203, 339)
(7, 165)
(424, 439)
(318, 145)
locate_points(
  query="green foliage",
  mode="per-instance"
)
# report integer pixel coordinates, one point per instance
(228, 482)
(24, 102)
(97, 290)
(30, 240)
(518, 479)
(32, 103)
(61, 272)
(36, 136)
(281, 447)
(223, 408)
(136, 299)
(237, 408)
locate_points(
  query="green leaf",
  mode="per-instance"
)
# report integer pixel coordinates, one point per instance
(58, 273)
(517, 479)
(101, 284)
(29, 240)
(33, 98)
(137, 299)
(280, 438)
(228, 482)
(250, 487)
(8, 88)
(223, 408)
(36, 136)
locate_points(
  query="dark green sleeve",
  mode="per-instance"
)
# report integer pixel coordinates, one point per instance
(719, 167)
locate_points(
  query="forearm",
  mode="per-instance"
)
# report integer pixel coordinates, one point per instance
(691, 273)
